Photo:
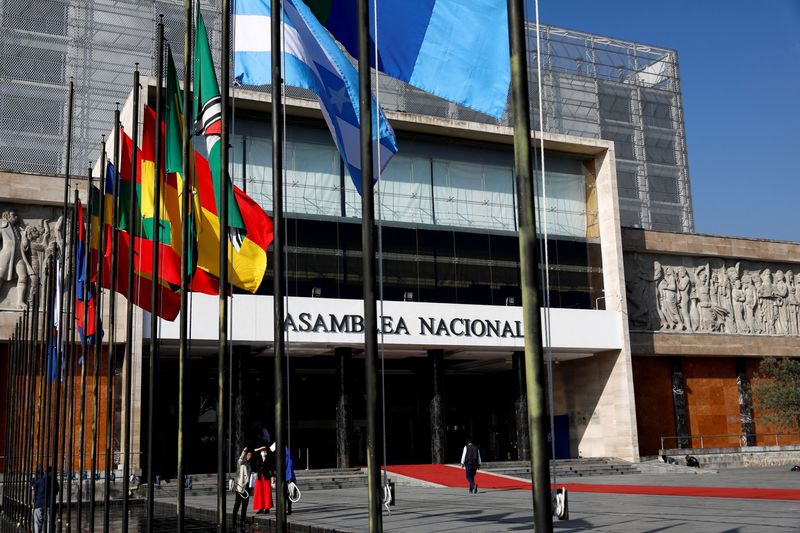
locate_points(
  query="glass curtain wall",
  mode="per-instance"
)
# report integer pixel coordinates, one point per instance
(448, 216)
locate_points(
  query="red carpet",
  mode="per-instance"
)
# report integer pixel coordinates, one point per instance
(449, 476)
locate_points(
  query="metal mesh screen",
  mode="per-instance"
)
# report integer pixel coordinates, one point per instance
(593, 86)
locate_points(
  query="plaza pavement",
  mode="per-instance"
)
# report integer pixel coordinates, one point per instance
(424, 509)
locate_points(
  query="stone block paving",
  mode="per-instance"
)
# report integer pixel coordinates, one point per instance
(422, 509)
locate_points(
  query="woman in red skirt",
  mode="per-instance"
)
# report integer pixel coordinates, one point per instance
(262, 493)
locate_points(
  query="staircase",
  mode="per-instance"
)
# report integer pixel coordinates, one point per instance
(596, 466)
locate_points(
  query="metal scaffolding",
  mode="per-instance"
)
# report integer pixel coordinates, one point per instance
(594, 87)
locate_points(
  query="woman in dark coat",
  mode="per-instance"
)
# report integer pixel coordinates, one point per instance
(262, 493)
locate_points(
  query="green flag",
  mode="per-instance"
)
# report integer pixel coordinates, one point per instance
(208, 120)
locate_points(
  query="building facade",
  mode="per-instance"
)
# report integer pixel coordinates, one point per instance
(648, 339)
(593, 86)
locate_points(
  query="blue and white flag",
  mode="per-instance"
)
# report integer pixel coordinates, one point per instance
(455, 49)
(313, 61)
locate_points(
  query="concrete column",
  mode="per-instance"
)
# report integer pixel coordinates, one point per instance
(679, 405)
(521, 407)
(435, 357)
(344, 412)
(745, 403)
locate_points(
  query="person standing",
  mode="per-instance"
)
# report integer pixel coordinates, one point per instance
(43, 485)
(471, 461)
(262, 492)
(291, 479)
(240, 491)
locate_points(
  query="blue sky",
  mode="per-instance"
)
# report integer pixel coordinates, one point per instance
(740, 79)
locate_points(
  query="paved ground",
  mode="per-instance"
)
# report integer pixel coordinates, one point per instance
(442, 510)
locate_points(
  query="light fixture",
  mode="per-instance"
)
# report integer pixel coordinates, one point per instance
(316, 292)
(408, 296)
(510, 300)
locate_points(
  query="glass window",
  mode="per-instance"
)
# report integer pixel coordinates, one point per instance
(565, 205)
(312, 183)
(259, 168)
(473, 195)
(404, 191)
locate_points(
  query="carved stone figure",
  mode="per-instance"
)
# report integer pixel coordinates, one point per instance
(658, 276)
(780, 291)
(684, 298)
(793, 303)
(669, 299)
(704, 302)
(750, 301)
(11, 257)
(766, 302)
(739, 298)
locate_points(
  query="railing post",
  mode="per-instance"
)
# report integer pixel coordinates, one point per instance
(702, 445)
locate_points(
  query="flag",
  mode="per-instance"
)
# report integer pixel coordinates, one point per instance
(54, 361)
(313, 61)
(81, 279)
(201, 281)
(454, 49)
(140, 293)
(249, 236)
(130, 234)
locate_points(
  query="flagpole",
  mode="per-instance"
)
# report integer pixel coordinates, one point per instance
(187, 171)
(112, 319)
(10, 430)
(278, 245)
(47, 337)
(84, 343)
(98, 337)
(69, 401)
(368, 266)
(155, 286)
(529, 262)
(132, 226)
(30, 392)
(223, 263)
(56, 410)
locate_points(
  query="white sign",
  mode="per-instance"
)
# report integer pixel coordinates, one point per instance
(414, 324)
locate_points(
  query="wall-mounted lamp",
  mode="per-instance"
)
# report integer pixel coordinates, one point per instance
(316, 292)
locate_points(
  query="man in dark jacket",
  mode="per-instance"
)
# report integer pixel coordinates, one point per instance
(43, 486)
(471, 461)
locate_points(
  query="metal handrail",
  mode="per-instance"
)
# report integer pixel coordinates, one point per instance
(743, 438)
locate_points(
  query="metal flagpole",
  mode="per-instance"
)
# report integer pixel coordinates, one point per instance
(368, 266)
(47, 337)
(187, 171)
(69, 401)
(30, 308)
(278, 244)
(112, 323)
(223, 263)
(529, 262)
(60, 309)
(132, 226)
(155, 286)
(10, 429)
(98, 338)
(84, 344)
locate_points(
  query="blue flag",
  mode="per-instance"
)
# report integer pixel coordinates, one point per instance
(455, 49)
(313, 61)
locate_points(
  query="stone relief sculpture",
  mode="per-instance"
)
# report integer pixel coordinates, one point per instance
(24, 253)
(692, 294)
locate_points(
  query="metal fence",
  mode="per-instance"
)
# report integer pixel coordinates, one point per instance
(593, 86)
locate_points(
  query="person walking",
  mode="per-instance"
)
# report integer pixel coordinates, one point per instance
(471, 461)
(262, 492)
(240, 490)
